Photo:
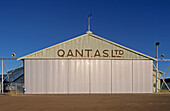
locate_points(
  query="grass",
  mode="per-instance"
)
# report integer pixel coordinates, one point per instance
(165, 90)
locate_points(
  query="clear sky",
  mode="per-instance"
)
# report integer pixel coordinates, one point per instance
(27, 26)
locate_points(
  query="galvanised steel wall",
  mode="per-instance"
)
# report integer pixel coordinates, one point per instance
(142, 76)
(154, 80)
(88, 76)
(78, 76)
(122, 76)
(87, 46)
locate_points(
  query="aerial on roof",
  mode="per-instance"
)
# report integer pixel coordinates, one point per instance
(87, 46)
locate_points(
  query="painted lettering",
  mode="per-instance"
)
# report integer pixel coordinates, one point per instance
(121, 52)
(70, 53)
(88, 51)
(105, 53)
(61, 53)
(97, 53)
(116, 51)
(77, 52)
(112, 55)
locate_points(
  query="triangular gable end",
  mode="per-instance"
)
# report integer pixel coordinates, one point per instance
(87, 46)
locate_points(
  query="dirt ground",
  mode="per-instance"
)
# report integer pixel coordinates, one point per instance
(100, 102)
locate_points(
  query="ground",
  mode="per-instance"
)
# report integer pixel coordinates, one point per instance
(99, 102)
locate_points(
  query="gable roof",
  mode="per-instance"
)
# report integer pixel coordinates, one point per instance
(99, 49)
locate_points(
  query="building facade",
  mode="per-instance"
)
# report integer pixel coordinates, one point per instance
(87, 64)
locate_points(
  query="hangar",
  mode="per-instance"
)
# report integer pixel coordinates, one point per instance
(87, 64)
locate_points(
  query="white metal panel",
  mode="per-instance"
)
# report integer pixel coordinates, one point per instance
(100, 76)
(33, 78)
(121, 76)
(61, 76)
(55, 76)
(79, 76)
(142, 76)
(50, 75)
(88, 76)
(27, 76)
(46, 76)
(148, 75)
(41, 76)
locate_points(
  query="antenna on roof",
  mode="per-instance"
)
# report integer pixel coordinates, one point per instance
(89, 17)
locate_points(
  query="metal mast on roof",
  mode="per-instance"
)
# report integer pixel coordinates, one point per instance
(89, 17)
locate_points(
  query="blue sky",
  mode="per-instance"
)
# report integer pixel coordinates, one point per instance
(27, 26)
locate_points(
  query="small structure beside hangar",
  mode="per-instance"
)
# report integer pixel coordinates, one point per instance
(15, 82)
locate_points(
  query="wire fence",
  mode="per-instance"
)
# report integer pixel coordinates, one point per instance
(13, 88)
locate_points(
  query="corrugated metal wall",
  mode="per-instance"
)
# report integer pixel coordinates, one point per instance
(100, 74)
(159, 81)
(142, 76)
(78, 76)
(122, 76)
(90, 42)
(88, 76)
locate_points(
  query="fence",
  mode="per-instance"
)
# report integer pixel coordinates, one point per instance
(17, 88)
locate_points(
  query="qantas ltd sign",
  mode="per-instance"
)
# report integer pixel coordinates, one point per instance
(89, 53)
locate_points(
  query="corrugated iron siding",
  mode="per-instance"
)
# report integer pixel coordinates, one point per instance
(142, 76)
(100, 74)
(85, 42)
(154, 81)
(122, 76)
(78, 76)
(88, 76)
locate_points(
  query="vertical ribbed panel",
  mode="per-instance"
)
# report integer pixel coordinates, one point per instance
(57, 76)
(50, 81)
(85, 42)
(27, 75)
(100, 76)
(88, 76)
(41, 77)
(79, 76)
(142, 76)
(61, 76)
(121, 76)
(33, 75)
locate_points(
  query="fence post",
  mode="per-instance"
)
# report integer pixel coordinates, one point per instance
(16, 88)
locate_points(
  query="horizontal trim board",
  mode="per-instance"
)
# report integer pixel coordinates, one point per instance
(79, 59)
